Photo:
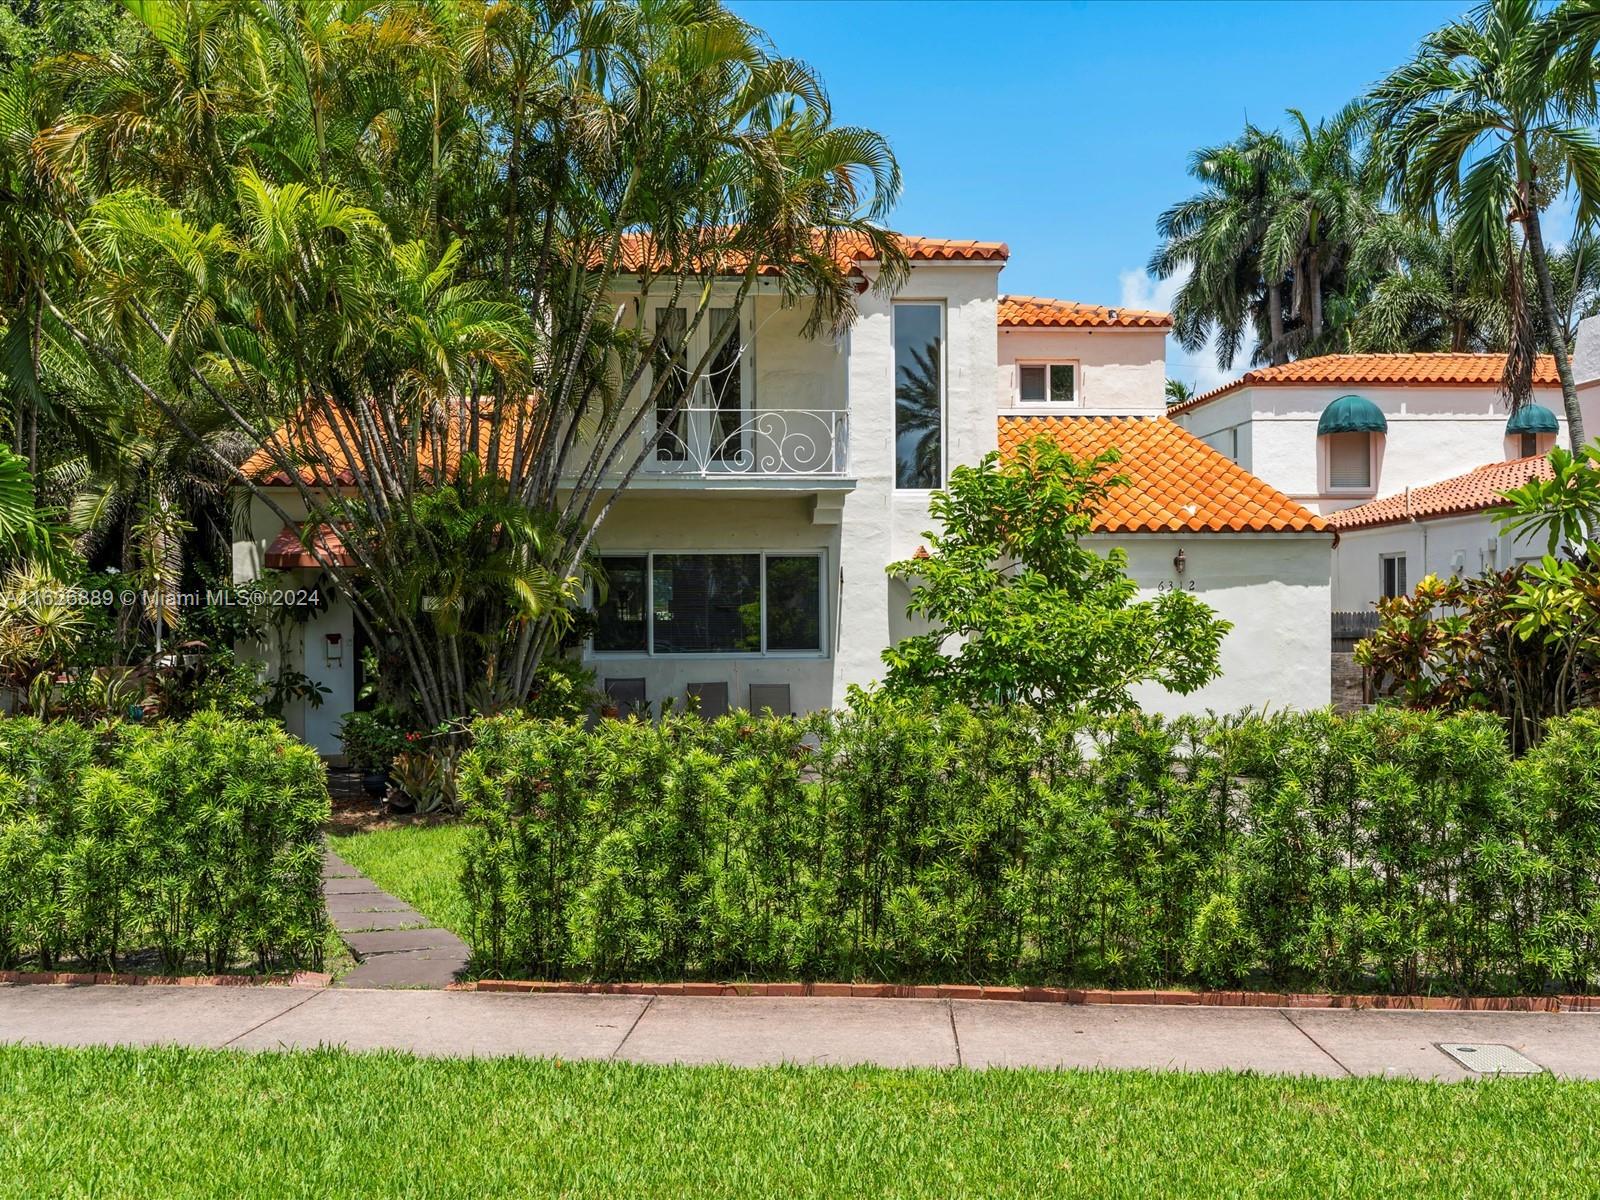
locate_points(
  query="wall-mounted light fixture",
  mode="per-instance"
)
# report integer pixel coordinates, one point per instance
(333, 649)
(1180, 561)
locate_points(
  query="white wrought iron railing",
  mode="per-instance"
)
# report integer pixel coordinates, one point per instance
(707, 442)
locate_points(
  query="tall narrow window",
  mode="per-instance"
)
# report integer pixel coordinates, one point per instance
(1392, 568)
(671, 376)
(1349, 460)
(725, 381)
(918, 395)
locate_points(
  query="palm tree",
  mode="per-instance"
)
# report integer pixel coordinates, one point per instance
(1216, 236)
(1484, 127)
(1322, 202)
(1178, 391)
(1422, 290)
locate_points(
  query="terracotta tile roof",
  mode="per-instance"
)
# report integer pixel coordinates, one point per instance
(1478, 489)
(1041, 312)
(638, 253)
(323, 462)
(1177, 483)
(1355, 370)
(287, 550)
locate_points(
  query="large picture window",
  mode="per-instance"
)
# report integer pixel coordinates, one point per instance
(919, 395)
(672, 603)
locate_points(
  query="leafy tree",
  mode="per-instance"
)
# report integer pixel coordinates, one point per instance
(367, 234)
(1485, 127)
(1023, 611)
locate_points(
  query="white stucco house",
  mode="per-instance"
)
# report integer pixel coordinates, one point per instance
(1404, 454)
(747, 563)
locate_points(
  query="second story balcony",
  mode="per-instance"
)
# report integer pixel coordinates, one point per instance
(793, 447)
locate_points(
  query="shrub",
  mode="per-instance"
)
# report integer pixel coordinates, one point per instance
(1392, 850)
(200, 841)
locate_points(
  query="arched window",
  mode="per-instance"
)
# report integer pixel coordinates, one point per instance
(1531, 430)
(1348, 431)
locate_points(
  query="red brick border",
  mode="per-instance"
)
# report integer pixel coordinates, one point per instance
(80, 978)
(1054, 995)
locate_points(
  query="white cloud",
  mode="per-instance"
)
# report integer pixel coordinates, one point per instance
(1198, 368)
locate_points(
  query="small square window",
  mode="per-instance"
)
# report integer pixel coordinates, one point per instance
(1530, 444)
(1047, 383)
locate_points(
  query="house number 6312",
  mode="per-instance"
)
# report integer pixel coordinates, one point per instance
(1176, 585)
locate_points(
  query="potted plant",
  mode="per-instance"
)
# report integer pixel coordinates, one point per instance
(370, 742)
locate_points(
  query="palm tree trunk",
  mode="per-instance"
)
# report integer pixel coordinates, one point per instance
(1552, 324)
(1275, 324)
(1314, 282)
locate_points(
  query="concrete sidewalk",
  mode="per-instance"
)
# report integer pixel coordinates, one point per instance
(751, 1032)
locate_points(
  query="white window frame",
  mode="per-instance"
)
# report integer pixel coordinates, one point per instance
(823, 627)
(699, 427)
(1384, 560)
(943, 305)
(1048, 404)
(1325, 453)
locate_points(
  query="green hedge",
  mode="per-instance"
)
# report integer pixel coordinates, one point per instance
(191, 842)
(1388, 851)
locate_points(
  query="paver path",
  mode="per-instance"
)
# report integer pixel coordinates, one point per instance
(394, 945)
(756, 1031)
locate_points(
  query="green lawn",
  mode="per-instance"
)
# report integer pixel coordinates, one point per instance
(177, 1123)
(421, 864)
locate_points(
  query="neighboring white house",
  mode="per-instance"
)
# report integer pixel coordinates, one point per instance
(748, 560)
(1386, 546)
(1403, 453)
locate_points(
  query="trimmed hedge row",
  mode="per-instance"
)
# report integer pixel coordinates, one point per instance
(186, 842)
(1392, 850)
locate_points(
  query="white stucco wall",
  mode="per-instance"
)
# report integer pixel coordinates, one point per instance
(1434, 433)
(305, 643)
(1466, 545)
(1119, 370)
(1274, 588)
(881, 523)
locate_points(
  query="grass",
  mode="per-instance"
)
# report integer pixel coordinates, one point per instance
(181, 1123)
(421, 864)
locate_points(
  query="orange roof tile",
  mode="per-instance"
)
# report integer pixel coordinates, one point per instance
(1041, 312)
(320, 453)
(1479, 489)
(1408, 370)
(638, 253)
(1177, 483)
(288, 550)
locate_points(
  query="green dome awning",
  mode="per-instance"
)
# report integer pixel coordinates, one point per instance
(1352, 414)
(1533, 418)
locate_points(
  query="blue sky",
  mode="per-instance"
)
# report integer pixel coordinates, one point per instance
(1064, 129)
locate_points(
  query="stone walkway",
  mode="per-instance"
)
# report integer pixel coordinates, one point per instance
(395, 946)
(753, 1032)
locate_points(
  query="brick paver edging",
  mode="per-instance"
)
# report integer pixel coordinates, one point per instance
(308, 979)
(1053, 995)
